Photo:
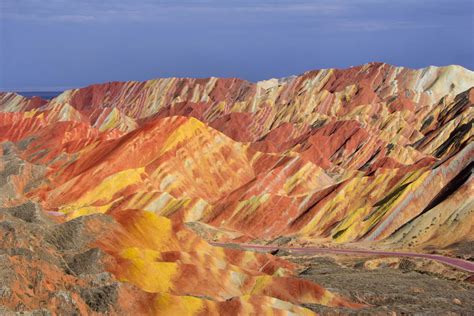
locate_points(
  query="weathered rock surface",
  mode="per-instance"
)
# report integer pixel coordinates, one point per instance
(373, 154)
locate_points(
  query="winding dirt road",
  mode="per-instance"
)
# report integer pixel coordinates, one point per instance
(455, 262)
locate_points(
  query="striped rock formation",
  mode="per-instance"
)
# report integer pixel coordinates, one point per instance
(374, 154)
(152, 269)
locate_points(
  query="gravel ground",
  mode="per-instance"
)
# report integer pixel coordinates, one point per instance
(403, 289)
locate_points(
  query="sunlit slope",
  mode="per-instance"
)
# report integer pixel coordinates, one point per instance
(134, 262)
(373, 154)
(337, 154)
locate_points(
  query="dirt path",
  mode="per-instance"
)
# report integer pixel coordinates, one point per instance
(457, 263)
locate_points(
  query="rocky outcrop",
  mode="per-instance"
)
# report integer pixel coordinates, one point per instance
(373, 154)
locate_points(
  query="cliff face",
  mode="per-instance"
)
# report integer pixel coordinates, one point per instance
(374, 154)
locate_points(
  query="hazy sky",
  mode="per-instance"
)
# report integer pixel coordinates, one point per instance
(49, 44)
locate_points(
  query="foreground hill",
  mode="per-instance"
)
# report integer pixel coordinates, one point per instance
(374, 155)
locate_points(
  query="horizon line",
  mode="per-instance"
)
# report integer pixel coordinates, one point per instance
(65, 88)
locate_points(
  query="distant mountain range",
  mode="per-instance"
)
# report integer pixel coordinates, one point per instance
(373, 155)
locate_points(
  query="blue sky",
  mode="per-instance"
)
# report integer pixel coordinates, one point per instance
(56, 44)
